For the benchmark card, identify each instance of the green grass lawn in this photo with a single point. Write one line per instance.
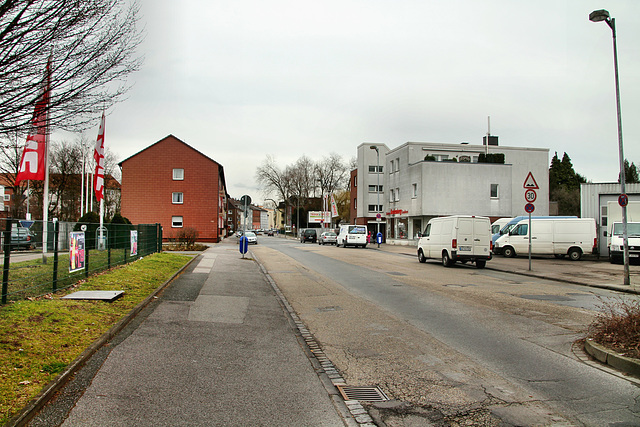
(40, 337)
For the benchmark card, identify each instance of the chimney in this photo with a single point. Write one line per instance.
(493, 140)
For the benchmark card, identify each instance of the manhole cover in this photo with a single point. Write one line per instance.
(368, 394)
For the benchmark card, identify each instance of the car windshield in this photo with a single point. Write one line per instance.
(250, 234)
(633, 229)
(329, 234)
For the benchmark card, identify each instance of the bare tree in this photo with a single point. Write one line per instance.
(273, 180)
(90, 45)
(332, 174)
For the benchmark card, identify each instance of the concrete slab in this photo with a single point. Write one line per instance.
(219, 309)
(95, 295)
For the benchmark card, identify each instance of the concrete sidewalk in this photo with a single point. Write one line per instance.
(215, 349)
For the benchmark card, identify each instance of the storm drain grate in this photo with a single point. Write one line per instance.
(368, 394)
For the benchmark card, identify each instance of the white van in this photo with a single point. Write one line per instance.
(498, 224)
(352, 235)
(559, 237)
(456, 238)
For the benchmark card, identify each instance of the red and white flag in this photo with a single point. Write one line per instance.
(334, 207)
(32, 162)
(98, 155)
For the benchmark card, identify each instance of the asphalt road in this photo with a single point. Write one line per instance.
(485, 346)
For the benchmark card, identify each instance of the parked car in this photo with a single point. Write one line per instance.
(328, 237)
(22, 238)
(270, 232)
(252, 239)
(308, 235)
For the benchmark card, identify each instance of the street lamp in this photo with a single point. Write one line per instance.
(373, 147)
(597, 16)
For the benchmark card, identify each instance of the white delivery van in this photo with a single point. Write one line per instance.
(497, 225)
(456, 238)
(352, 235)
(615, 241)
(559, 237)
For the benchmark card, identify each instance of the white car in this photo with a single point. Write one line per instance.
(252, 239)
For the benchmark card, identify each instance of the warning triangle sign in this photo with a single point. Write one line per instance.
(530, 182)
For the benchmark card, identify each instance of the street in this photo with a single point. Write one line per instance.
(453, 345)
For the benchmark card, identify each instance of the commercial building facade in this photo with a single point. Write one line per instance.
(417, 181)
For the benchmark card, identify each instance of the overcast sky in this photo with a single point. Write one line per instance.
(240, 80)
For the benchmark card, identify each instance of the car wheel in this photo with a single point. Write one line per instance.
(421, 256)
(509, 252)
(575, 254)
(446, 260)
(481, 263)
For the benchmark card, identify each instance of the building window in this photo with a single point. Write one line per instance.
(494, 191)
(178, 174)
(414, 192)
(372, 208)
(397, 164)
(176, 198)
(176, 221)
(391, 167)
(375, 189)
(7, 197)
(397, 194)
(355, 203)
(355, 181)
(392, 196)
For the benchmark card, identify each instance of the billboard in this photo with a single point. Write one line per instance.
(316, 217)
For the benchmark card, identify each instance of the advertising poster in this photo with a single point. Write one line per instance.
(76, 251)
(134, 242)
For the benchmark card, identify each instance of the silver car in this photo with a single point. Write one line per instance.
(252, 239)
(328, 237)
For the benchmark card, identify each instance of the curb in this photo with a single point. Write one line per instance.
(38, 402)
(352, 412)
(602, 354)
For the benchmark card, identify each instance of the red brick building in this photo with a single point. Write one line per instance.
(173, 184)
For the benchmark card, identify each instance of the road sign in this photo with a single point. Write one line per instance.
(245, 201)
(529, 208)
(244, 245)
(530, 195)
(530, 182)
(623, 200)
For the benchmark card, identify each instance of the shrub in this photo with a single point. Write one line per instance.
(187, 236)
(617, 327)
(491, 158)
(429, 158)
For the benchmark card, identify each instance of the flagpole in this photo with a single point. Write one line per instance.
(82, 185)
(45, 197)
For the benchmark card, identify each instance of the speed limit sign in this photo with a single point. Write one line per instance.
(530, 195)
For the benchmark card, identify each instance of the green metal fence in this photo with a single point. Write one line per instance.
(38, 259)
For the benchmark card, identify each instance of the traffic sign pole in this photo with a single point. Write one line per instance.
(530, 233)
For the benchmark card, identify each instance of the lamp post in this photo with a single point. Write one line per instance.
(373, 147)
(597, 16)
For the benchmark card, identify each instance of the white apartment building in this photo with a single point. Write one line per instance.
(417, 181)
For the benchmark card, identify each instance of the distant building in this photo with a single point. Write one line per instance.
(174, 184)
(593, 204)
(418, 181)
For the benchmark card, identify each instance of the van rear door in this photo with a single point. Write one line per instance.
(481, 237)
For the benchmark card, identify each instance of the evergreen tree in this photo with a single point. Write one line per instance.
(564, 185)
(631, 174)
